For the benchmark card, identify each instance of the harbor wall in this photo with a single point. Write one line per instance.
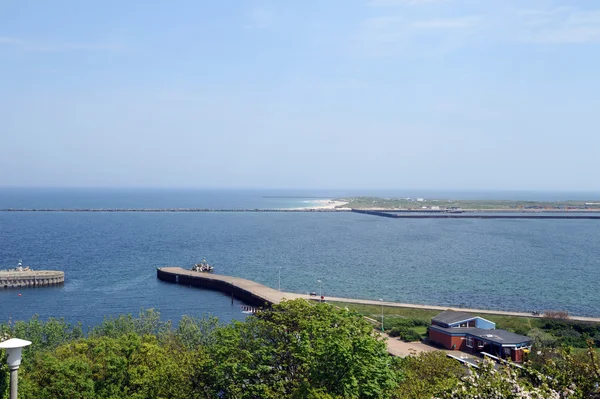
(442, 215)
(31, 279)
(204, 280)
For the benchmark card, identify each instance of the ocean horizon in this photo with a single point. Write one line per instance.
(43, 197)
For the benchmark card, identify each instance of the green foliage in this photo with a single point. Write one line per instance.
(50, 334)
(147, 322)
(131, 366)
(405, 333)
(427, 375)
(408, 322)
(572, 333)
(278, 352)
(294, 350)
(542, 339)
(196, 333)
(577, 373)
(503, 382)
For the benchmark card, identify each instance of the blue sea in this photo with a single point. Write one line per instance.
(110, 259)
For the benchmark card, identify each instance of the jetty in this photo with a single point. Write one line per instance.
(256, 294)
(428, 214)
(388, 213)
(30, 278)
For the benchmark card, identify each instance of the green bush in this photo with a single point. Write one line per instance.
(405, 334)
(405, 322)
(292, 350)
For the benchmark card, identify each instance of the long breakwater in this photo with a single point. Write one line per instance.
(388, 213)
(475, 215)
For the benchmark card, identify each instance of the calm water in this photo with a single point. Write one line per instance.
(110, 259)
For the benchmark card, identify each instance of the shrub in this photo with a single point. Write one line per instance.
(405, 322)
(405, 334)
(556, 314)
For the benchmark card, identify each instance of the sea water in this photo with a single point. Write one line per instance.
(110, 259)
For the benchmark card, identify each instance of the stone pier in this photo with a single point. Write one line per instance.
(30, 278)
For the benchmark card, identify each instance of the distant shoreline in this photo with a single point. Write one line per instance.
(442, 204)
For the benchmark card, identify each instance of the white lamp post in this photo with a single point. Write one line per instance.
(381, 300)
(320, 291)
(13, 348)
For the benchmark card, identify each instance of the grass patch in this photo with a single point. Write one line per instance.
(510, 323)
(422, 331)
(374, 311)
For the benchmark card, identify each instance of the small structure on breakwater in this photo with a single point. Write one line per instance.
(27, 277)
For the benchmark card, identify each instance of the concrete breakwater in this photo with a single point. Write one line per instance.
(31, 278)
(250, 292)
(256, 294)
(438, 215)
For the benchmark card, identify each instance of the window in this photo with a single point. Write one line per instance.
(469, 342)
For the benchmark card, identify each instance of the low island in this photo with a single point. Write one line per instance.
(439, 204)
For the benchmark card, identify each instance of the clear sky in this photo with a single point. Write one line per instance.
(438, 94)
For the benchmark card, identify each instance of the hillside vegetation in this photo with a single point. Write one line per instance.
(294, 350)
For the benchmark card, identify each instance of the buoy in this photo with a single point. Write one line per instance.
(19, 294)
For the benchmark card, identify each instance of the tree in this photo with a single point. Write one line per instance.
(130, 366)
(578, 374)
(296, 348)
(428, 374)
(500, 383)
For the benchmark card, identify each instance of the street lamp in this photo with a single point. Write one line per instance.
(13, 348)
(381, 300)
(320, 291)
(279, 284)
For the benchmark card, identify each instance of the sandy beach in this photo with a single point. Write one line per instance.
(327, 204)
(323, 204)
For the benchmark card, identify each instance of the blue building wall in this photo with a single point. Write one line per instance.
(481, 323)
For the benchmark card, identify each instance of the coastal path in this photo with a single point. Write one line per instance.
(257, 294)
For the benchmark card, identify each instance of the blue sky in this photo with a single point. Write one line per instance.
(436, 94)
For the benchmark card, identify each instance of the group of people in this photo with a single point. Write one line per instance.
(202, 267)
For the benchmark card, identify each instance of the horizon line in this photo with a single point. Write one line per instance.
(230, 188)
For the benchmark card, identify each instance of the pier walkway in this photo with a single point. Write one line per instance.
(257, 294)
